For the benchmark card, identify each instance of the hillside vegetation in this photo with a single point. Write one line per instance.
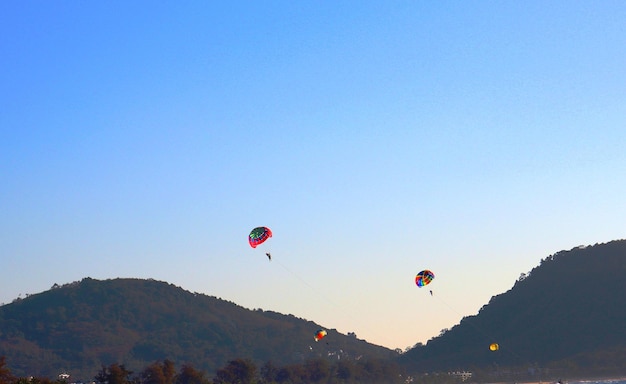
(570, 311)
(567, 315)
(81, 326)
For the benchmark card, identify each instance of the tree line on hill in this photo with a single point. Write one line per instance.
(314, 371)
(568, 314)
(236, 371)
(84, 324)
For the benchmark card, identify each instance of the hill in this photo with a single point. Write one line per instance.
(570, 311)
(81, 326)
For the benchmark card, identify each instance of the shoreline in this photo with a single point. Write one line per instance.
(576, 380)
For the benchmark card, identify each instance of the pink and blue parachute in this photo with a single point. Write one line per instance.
(258, 236)
(424, 278)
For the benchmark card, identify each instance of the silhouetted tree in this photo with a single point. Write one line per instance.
(189, 375)
(159, 373)
(34, 380)
(346, 372)
(169, 371)
(114, 374)
(5, 373)
(293, 374)
(380, 371)
(317, 370)
(238, 371)
(269, 373)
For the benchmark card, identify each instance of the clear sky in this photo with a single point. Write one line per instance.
(375, 138)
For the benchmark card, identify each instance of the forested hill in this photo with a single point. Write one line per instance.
(81, 326)
(568, 311)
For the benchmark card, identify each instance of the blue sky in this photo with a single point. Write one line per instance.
(376, 139)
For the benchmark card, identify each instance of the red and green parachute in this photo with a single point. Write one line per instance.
(258, 236)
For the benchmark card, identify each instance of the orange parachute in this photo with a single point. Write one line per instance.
(319, 335)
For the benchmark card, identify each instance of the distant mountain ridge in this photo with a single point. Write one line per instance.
(81, 326)
(571, 309)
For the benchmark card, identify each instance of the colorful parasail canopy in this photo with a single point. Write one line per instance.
(319, 335)
(424, 278)
(494, 347)
(258, 236)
